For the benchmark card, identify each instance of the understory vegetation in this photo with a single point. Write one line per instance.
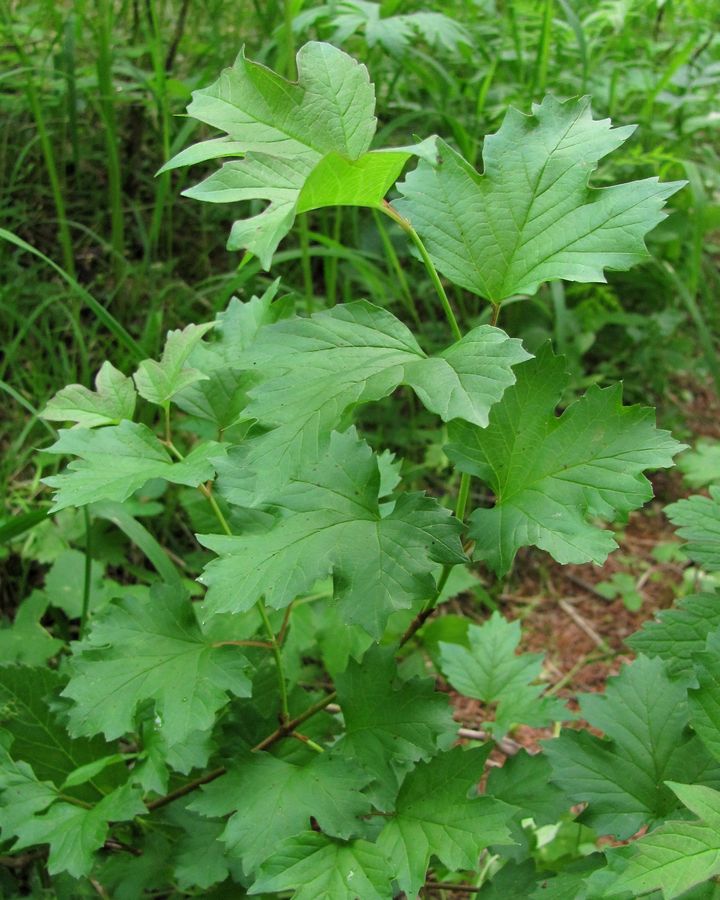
(361, 450)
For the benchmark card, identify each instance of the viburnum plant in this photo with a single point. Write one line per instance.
(264, 736)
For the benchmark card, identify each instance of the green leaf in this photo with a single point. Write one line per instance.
(492, 672)
(315, 371)
(158, 382)
(221, 396)
(64, 584)
(704, 699)
(552, 476)
(318, 868)
(75, 833)
(200, 858)
(269, 800)
(701, 465)
(116, 461)
(26, 641)
(21, 793)
(524, 781)
(435, 817)
(389, 724)
(531, 217)
(644, 715)
(698, 521)
(677, 635)
(284, 129)
(112, 401)
(39, 738)
(672, 859)
(139, 651)
(333, 524)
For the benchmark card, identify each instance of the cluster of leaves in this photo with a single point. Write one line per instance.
(189, 738)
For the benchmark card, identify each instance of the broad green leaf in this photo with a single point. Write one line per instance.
(644, 715)
(269, 800)
(339, 181)
(571, 882)
(75, 833)
(491, 671)
(524, 781)
(697, 520)
(705, 698)
(39, 737)
(114, 462)
(677, 635)
(552, 476)
(530, 217)
(128, 877)
(389, 724)
(333, 524)
(316, 867)
(200, 859)
(158, 382)
(284, 129)
(701, 465)
(112, 401)
(434, 816)
(139, 651)
(672, 859)
(26, 640)
(221, 396)
(22, 794)
(315, 371)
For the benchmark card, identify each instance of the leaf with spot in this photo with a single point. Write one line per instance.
(531, 217)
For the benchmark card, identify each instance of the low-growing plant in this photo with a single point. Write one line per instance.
(270, 735)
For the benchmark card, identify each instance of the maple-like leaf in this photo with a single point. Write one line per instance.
(677, 635)
(305, 144)
(332, 523)
(269, 799)
(112, 401)
(551, 475)
(524, 781)
(154, 650)
(389, 724)
(75, 833)
(644, 716)
(158, 382)
(698, 521)
(317, 867)
(26, 640)
(434, 816)
(530, 217)
(113, 462)
(314, 371)
(491, 671)
(671, 859)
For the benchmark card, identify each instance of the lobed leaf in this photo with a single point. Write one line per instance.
(113, 462)
(156, 651)
(530, 217)
(552, 476)
(112, 401)
(332, 523)
(697, 520)
(491, 671)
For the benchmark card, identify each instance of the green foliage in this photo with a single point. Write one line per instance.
(247, 708)
(552, 476)
(534, 182)
(698, 521)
